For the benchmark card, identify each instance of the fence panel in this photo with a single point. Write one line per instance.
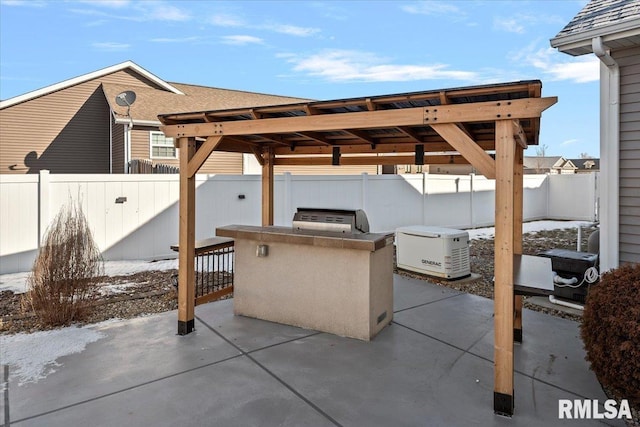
(572, 197)
(136, 216)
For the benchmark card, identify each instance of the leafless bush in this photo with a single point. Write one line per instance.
(63, 282)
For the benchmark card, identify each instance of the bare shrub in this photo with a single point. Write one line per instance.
(63, 282)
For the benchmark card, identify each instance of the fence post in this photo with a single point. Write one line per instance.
(365, 190)
(472, 222)
(287, 197)
(43, 204)
(424, 198)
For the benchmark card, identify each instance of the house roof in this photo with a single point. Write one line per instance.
(617, 22)
(587, 164)
(543, 162)
(150, 102)
(91, 76)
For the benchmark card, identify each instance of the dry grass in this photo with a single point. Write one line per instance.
(63, 282)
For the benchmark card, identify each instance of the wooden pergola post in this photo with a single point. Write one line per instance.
(504, 251)
(267, 186)
(518, 196)
(186, 241)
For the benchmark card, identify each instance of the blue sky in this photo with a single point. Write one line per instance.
(312, 49)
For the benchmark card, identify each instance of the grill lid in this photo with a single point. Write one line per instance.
(339, 220)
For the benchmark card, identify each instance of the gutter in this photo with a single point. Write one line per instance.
(128, 121)
(610, 155)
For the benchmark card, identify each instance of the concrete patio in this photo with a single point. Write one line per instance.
(431, 367)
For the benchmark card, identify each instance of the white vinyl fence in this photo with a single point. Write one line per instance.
(136, 216)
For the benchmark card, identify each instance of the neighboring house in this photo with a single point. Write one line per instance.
(611, 30)
(76, 126)
(587, 165)
(554, 165)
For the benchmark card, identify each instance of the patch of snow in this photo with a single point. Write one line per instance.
(529, 227)
(124, 268)
(17, 282)
(114, 289)
(32, 357)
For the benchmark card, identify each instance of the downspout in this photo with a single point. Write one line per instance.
(610, 155)
(127, 143)
(111, 122)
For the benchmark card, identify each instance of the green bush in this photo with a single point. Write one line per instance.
(63, 285)
(611, 331)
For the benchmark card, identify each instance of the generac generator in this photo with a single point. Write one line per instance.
(436, 251)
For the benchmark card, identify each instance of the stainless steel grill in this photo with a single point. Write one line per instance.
(337, 220)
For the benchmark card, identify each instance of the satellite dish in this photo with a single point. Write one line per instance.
(126, 98)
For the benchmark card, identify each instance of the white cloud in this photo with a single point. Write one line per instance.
(510, 25)
(520, 22)
(27, 3)
(227, 20)
(111, 46)
(432, 8)
(175, 40)
(558, 66)
(241, 40)
(163, 12)
(292, 30)
(134, 11)
(349, 65)
(569, 142)
(107, 3)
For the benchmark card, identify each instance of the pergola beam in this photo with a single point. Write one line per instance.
(379, 148)
(418, 116)
(370, 160)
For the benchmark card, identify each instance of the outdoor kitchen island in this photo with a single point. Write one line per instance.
(329, 281)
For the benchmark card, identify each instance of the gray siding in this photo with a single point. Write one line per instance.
(117, 147)
(629, 61)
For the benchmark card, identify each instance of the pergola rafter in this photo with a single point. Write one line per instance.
(486, 126)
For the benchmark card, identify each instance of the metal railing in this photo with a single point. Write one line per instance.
(214, 269)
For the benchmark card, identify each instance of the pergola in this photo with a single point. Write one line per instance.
(487, 126)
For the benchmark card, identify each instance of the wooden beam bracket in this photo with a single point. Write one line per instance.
(202, 154)
(466, 146)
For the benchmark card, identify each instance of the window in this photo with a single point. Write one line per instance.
(162, 147)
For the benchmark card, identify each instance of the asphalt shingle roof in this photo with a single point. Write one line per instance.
(601, 13)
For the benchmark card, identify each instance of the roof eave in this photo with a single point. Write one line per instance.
(577, 44)
(86, 77)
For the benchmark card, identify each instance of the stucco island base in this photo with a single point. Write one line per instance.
(329, 282)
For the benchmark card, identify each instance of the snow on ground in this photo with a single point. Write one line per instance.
(17, 282)
(32, 357)
(529, 227)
